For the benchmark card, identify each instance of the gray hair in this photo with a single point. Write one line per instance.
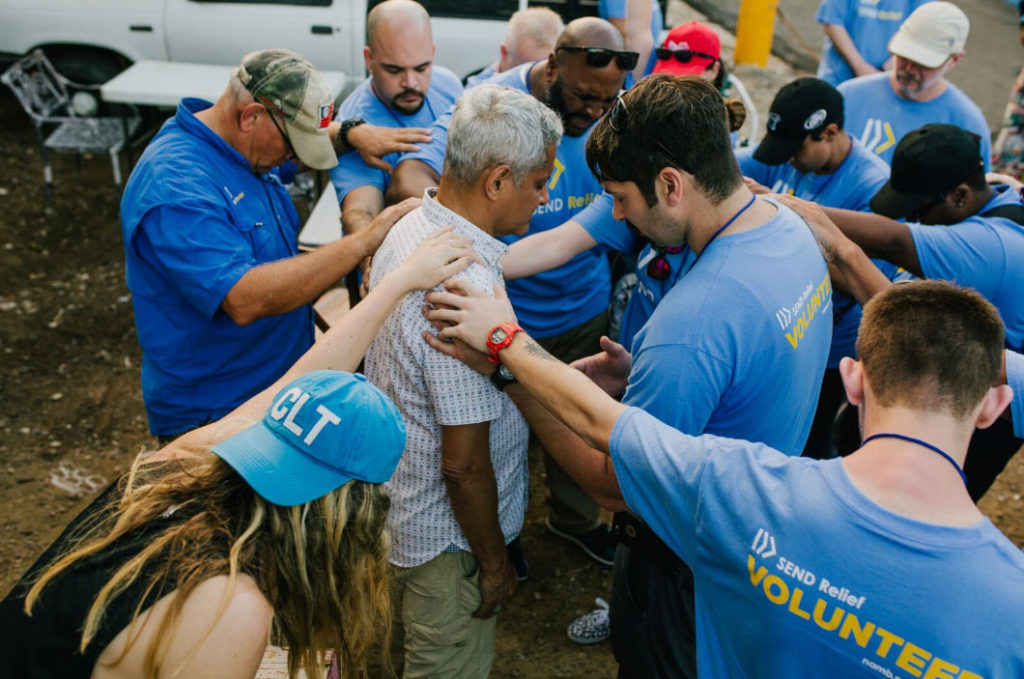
(538, 25)
(495, 125)
(238, 92)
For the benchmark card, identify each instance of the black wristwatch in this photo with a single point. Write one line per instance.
(347, 125)
(502, 377)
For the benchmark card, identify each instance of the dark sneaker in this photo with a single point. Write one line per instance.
(592, 627)
(599, 544)
(518, 559)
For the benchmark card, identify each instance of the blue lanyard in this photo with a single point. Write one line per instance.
(723, 227)
(919, 442)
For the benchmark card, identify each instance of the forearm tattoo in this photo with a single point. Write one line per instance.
(534, 349)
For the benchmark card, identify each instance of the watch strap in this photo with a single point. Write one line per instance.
(493, 347)
(502, 377)
(347, 125)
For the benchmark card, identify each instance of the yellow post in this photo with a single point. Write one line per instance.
(754, 28)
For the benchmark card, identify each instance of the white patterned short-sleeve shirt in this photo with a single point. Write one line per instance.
(433, 390)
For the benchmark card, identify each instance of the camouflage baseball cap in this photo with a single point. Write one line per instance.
(291, 87)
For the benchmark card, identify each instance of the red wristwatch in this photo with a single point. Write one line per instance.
(498, 338)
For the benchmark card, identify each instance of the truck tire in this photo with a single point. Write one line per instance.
(86, 65)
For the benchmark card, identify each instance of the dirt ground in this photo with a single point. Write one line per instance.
(71, 415)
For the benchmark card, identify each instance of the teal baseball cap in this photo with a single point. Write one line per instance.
(321, 431)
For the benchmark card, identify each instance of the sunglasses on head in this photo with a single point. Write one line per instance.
(618, 119)
(659, 268)
(599, 57)
(682, 56)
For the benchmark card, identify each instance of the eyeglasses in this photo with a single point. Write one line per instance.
(659, 268)
(599, 57)
(682, 56)
(618, 119)
(280, 130)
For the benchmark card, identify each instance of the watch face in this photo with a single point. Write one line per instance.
(505, 372)
(498, 335)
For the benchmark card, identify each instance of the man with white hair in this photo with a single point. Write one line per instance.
(530, 36)
(460, 492)
(882, 107)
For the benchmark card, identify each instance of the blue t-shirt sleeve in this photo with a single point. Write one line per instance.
(612, 9)
(679, 384)
(968, 253)
(351, 172)
(597, 219)
(659, 471)
(832, 12)
(201, 255)
(1015, 378)
(433, 153)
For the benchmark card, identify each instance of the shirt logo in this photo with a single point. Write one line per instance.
(773, 121)
(815, 119)
(326, 115)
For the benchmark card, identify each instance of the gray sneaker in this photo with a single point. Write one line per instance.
(593, 627)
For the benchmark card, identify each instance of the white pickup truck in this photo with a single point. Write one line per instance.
(92, 40)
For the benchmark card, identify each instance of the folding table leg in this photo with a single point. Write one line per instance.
(115, 162)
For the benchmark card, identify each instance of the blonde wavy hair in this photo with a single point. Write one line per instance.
(323, 565)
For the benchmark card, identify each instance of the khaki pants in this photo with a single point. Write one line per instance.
(570, 509)
(442, 639)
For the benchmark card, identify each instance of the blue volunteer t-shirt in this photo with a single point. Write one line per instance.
(870, 23)
(851, 187)
(481, 77)
(738, 346)
(879, 118)
(984, 253)
(555, 301)
(194, 220)
(352, 171)
(798, 574)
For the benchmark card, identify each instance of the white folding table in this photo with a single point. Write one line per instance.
(165, 83)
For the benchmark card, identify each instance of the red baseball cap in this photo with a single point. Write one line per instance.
(689, 49)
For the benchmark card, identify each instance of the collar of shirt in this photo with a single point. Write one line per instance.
(488, 247)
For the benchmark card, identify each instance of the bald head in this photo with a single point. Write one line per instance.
(397, 17)
(591, 32)
(531, 35)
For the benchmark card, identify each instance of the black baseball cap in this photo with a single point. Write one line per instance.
(927, 162)
(802, 107)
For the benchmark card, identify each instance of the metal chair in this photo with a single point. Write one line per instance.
(47, 98)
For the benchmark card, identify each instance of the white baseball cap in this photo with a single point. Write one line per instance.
(932, 32)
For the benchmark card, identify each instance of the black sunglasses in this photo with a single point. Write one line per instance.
(618, 118)
(599, 57)
(659, 268)
(682, 56)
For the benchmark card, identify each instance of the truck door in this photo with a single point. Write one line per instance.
(327, 32)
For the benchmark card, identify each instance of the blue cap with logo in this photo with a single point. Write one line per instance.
(321, 431)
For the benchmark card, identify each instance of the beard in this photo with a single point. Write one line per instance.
(574, 124)
(408, 109)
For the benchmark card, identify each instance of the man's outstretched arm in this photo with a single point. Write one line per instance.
(563, 392)
(878, 236)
